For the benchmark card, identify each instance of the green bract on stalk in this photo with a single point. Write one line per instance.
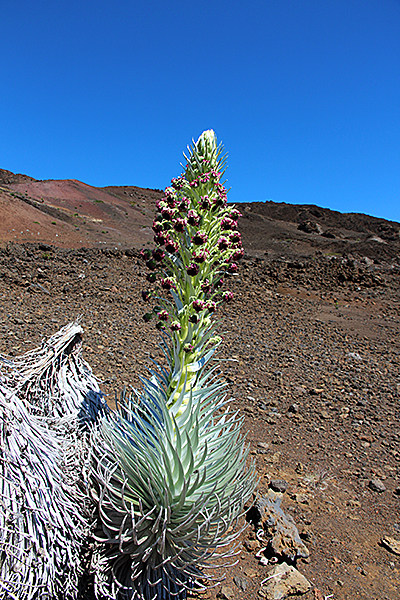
(169, 465)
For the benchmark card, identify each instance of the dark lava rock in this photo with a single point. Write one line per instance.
(278, 485)
(376, 485)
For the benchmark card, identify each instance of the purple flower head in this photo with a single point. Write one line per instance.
(158, 254)
(160, 239)
(171, 246)
(218, 201)
(198, 305)
(223, 243)
(188, 347)
(169, 193)
(160, 204)
(205, 203)
(237, 254)
(211, 306)
(168, 213)
(227, 296)
(167, 283)
(179, 225)
(227, 224)
(193, 269)
(205, 178)
(166, 225)
(194, 183)
(157, 226)
(193, 217)
(184, 204)
(200, 256)
(235, 214)
(206, 286)
(235, 237)
(163, 315)
(233, 268)
(178, 183)
(175, 326)
(200, 238)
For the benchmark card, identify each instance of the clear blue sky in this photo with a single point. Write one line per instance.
(304, 94)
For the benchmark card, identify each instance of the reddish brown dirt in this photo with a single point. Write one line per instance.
(311, 355)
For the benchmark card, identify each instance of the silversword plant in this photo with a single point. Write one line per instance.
(169, 466)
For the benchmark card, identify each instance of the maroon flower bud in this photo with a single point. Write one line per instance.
(171, 246)
(235, 214)
(218, 283)
(179, 225)
(193, 217)
(163, 315)
(147, 317)
(200, 256)
(178, 182)
(160, 239)
(157, 226)
(175, 326)
(223, 243)
(206, 286)
(168, 213)
(237, 254)
(161, 204)
(188, 347)
(211, 306)
(146, 295)
(227, 224)
(218, 201)
(235, 237)
(184, 204)
(227, 296)
(167, 283)
(152, 277)
(158, 254)
(205, 203)
(193, 269)
(194, 319)
(198, 305)
(170, 194)
(160, 326)
(233, 268)
(200, 238)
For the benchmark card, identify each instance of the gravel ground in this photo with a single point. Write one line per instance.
(311, 358)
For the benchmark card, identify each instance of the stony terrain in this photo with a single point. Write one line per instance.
(311, 356)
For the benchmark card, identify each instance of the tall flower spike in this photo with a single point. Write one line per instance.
(169, 467)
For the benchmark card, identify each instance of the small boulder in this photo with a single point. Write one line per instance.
(283, 581)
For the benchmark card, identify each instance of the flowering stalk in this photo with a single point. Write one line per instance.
(197, 243)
